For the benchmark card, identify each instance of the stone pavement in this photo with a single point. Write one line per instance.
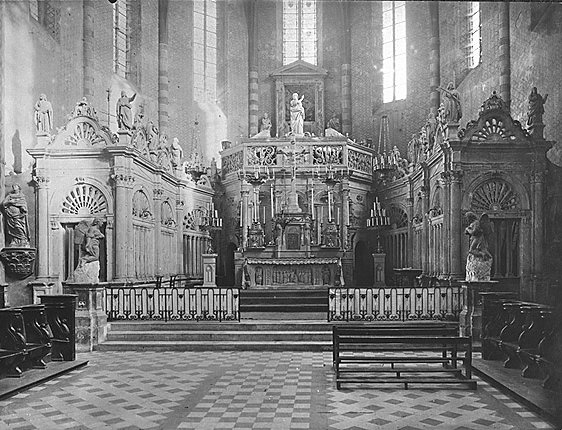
(246, 390)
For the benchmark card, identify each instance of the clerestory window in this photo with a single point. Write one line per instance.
(205, 50)
(300, 41)
(474, 41)
(394, 50)
(120, 38)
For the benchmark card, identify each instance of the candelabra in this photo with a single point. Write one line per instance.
(330, 236)
(377, 221)
(210, 222)
(385, 162)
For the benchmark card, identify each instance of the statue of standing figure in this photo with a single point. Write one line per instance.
(536, 108)
(177, 152)
(297, 115)
(88, 236)
(452, 104)
(479, 259)
(16, 228)
(124, 111)
(43, 115)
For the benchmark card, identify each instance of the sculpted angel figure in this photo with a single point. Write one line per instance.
(124, 111)
(479, 259)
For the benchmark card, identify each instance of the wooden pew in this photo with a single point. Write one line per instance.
(364, 354)
(12, 343)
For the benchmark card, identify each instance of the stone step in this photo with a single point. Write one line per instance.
(215, 346)
(284, 293)
(276, 307)
(258, 323)
(219, 336)
(284, 300)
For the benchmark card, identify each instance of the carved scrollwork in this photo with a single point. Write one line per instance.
(328, 154)
(360, 161)
(262, 156)
(495, 195)
(232, 162)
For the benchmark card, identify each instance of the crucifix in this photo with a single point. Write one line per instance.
(294, 154)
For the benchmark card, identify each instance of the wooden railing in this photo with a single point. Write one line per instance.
(395, 304)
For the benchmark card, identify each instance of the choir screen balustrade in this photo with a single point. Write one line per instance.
(395, 304)
(171, 301)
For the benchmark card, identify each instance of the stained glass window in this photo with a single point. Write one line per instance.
(120, 37)
(299, 31)
(205, 50)
(473, 49)
(394, 51)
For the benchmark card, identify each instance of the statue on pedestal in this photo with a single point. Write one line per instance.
(265, 127)
(297, 115)
(535, 112)
(479, 259)
(43, 115)
(88, 236)
(14, 208)
(177, 152)
(452, 104)
(124, 111)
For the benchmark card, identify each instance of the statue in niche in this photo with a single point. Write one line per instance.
(16, 228)
(177, 152)
(43, 115)
(479, 259)
(124, 111)
(333, 127)
(258, 276)
(536, 108)
(452, 104)
(265, 127)
(88, 235)
(326, 274)
(297, 115)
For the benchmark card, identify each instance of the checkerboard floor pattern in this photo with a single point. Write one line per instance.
(246, 390)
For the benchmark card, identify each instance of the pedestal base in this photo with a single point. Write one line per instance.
(470, 319)
(209, 270)
(378, 269)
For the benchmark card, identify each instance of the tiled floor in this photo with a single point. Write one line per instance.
(236, 390)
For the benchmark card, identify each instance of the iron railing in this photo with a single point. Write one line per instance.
(395, 304)
(172, 300)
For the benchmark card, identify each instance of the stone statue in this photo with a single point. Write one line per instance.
(164, 152)
(297, 115)
(452, 104)
(334, 123)
(139, 118)
(16, 228)
(479, 259)
(536, 108)
(265, 127)
(88, 236)
(326, 275)
(43, 115)
(431, 128)
(83, 108)
(177, 152)
(259, 275)
(413, 148)
(124, 111)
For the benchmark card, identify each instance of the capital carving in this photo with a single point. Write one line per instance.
(537, 177)
(180, 204)
(122, 179)
(455, 176)
(158, 193)
(41, 181)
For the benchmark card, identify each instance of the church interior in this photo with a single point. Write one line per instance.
(240, 213)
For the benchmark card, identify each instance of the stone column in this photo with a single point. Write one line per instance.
(455, 236)
(88, 48)
(123, 213)
(157, 196)
(346, 71)
(410, 244)
(180, 249)
(91, 319)
(245, 197)
(505, 54)
(163, 81)
(434, 57)
(537, 181)
(446, 222)
(253, 81)
(42, 182)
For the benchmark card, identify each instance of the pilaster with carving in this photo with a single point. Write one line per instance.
(537, 179)
(123, 183)
(455, 226)
(41, 182)
(157, 194)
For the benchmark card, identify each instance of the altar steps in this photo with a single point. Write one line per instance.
(218, 336)
(286, 301)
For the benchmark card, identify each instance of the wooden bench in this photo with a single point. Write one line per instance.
(365, 354)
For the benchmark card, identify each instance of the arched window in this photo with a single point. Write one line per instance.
(205, 50)
(474, 42)
(120, 38)
(394, 50)
(299, 31)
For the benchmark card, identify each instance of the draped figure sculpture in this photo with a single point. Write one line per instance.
(297, 115)
(536, 108)
(479, 259)
(88, 235)
(124, 111)
(43, 115)
(451, 103)
(16, 228)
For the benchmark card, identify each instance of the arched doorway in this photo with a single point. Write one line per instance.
(363, 265)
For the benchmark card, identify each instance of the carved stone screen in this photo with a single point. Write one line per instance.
(293, 238)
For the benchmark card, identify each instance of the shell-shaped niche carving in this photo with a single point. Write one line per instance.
(167, 215)
(398, 218)
(84, 135)
(141, 206)
(84, 199)
(495, 195)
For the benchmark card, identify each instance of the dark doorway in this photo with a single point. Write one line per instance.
(229, 269)
(363, 265)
